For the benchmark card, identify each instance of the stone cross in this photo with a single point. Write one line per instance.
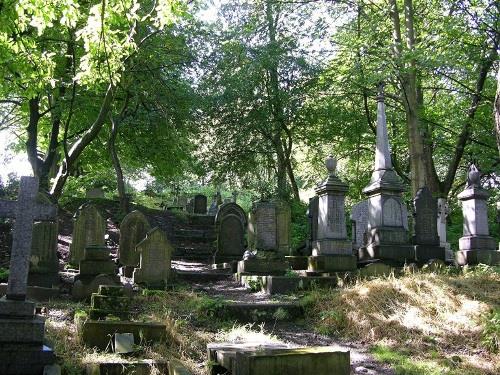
(25, 210)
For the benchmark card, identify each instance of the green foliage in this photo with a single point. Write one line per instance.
(491, 332)
(4, 274)
(404, 362)
(281, 314)
(208, 308)
(300, 223)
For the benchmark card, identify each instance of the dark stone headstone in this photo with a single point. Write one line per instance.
(231, 225)
(200, 204)
(133, 229)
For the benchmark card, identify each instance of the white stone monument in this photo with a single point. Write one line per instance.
(387, 233)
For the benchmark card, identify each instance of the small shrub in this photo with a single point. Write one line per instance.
(4, 274)
(281, 314)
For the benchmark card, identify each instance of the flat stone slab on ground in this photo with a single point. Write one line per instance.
(245, 359)
(288, 284)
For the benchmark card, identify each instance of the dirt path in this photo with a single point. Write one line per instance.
(292, 333)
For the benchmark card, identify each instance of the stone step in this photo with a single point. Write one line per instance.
(192, 251)
(203, 276)
(261, 312)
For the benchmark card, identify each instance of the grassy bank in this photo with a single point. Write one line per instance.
(421, 323)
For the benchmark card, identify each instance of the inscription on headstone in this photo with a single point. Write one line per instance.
(359, 219)
(392, 215)
(265, 223)
(89, 229)
(200, 204)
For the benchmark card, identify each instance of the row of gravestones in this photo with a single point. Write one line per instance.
(198, 204)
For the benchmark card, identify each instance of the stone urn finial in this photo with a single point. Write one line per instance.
(331, 165)
(473, 176)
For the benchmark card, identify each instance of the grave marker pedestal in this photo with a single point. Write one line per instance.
(331, 251)
(476, 245)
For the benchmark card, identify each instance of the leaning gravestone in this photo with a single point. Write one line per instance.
(21, 330)
(426, 237)
(200, 204)
(155, 256)
(89, 229)
(230, 224)
(359, 220)
(133, 229)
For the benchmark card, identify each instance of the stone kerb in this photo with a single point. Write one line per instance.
(133, 229)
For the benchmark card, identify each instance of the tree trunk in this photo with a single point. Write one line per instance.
(120, 183)
(76, 150)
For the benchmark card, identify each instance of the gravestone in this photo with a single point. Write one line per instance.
(95, 193)
(331, 251)
(359, 221)
(200, 204)
(44, 264)
(312, 216)
(443, 212)
(387, 233)
(426, 237)
(133, 229)
(212, 211)
(21, 330)
(89, 229)
(268, 236)
(476, 245)
(155, 256)
(190, 206)
(230, 225)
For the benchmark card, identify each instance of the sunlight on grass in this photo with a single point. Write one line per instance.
(246, 334)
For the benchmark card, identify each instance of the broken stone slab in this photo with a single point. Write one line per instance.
(97, 333)
(245, 359)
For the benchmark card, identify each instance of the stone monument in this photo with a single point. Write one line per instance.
(443, 212)
(133, 229)
(89, 229)
(387, 234)
(44, 264)
(200, 204)
(359, 223)
(426, 237)
(212, 210)
(332, 251)
(476, 245)
(230, 225)
(21, 330)
(268, 236)
(155, 260)
(312, 216)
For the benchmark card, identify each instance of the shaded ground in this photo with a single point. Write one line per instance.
(293, 333)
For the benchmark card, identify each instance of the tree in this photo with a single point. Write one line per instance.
(62, 65)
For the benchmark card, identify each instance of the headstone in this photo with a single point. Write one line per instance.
(331, 242)
(387, 233)
(133, 229)
(359, 221)
(21, 331)
(95, 193)
(155, 256)
(230, 224)
(212, 211)
(190, 206)
(89, 229)
(182, 202)
(44, 264)
(268, 236)
(476, 245)
(426, 237)
(200, 204)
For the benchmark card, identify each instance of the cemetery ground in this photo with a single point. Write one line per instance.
(427, 321)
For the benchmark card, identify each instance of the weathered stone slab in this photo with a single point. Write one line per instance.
(133, 229)
(489, 257)
(89, 229)
(359, 220)
(287, 284)
(155, 258)
(331, 263)
(28, 360)
(262, 267)
(255, 359)
(297, 262)
(263, 227)
(94, 193)
(44, 263)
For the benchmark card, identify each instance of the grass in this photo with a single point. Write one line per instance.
(443, 322)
